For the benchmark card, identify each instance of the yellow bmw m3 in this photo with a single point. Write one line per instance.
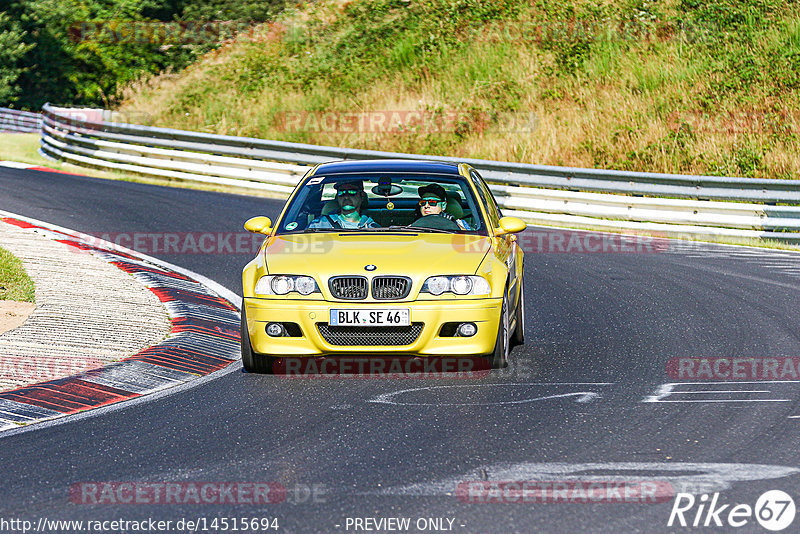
(384, 258)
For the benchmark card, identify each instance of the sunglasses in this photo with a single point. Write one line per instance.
(430, 202)
(351, 192)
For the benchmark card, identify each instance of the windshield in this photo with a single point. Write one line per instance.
(381, 202)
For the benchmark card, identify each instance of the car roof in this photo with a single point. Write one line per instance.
(387, 165)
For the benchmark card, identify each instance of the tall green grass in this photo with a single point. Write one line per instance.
(15, 284)
(687, 86)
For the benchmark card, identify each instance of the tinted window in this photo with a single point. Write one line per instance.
(388, 199)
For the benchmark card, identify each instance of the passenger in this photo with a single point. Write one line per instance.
(433, 201)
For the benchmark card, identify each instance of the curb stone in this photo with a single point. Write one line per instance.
(88, 313)
(204, 338)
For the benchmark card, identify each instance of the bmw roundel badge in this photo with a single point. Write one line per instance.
(369, 267)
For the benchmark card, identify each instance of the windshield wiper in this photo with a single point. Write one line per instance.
(418, 229)
(324, 231)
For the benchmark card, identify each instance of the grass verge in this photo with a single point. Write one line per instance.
(15, 284)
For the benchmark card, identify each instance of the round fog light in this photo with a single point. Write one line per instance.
(467, 329)
(274, 329)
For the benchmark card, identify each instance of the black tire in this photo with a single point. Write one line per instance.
(519, 330)
(499, 358)
(252, 363)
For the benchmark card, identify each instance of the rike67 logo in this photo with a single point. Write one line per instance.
(774, 510)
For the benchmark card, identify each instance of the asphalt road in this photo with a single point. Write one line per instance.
(584, 400)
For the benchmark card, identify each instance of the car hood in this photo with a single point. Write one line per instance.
(414, 255)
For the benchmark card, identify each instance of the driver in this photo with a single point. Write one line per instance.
(351, 198)
(433, 201)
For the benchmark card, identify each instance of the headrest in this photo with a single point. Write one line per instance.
(454, 205)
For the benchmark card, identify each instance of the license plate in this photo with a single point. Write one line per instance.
(366, 317)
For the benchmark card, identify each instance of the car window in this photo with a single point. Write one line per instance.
(488, 200)
(383, 200)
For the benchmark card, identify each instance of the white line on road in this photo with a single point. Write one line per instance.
(582, 396)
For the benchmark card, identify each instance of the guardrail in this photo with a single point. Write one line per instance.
(12, 120)
(665, 203)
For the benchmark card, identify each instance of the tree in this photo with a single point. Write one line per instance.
(12, 50)
(50, 51)
(70, 67)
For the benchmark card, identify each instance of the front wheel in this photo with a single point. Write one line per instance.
(499, 358)
(252, 363)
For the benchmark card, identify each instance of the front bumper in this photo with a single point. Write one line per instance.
(485, 313)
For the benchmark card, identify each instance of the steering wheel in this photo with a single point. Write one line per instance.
(436, 222)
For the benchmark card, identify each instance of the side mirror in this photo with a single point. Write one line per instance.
(259, 225)
(510, 225)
